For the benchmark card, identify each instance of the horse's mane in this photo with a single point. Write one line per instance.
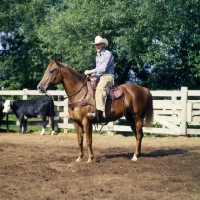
(73, 72)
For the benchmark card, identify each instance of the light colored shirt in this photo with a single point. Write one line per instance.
(104, 63)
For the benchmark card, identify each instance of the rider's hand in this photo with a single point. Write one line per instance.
(87, 72)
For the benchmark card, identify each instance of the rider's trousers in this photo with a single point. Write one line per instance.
(103, 87)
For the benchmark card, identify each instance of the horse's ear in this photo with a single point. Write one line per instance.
(56, 60)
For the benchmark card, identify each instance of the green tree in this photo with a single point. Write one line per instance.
(71, 27)
(21, 59)
(159, 34)
(175, 49)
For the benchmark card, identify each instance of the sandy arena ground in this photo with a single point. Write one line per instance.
(44, 167)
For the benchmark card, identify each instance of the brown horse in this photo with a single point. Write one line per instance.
(136, 105)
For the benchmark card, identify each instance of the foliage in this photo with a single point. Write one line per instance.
(174, 51)
(155, 43)
(22, 61)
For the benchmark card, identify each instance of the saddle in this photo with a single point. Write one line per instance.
(115, 91)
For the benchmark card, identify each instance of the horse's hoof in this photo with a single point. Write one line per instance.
(134, 158)
(78, 159)
(89, 160)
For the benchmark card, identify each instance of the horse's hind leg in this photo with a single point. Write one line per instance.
(139, 136)
(136, 126)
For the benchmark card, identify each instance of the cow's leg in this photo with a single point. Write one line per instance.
(24, 126)
(44, 123)
(20, 129)
(52, 125)
(7, 122)
(20, 124)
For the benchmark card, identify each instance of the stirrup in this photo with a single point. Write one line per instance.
(91, 115)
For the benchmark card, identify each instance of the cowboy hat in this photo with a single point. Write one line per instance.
(100, 40)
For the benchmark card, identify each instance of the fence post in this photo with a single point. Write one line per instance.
(25, 96)
(110, 128)
(183, 125)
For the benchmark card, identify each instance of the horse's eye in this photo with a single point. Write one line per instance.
(51, 71)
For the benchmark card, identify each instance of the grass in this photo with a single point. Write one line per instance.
(15, 128)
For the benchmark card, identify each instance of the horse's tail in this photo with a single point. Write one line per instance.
(149, 111)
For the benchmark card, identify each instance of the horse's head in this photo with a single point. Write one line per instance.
(52, 76)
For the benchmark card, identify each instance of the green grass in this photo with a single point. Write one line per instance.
(15, 128)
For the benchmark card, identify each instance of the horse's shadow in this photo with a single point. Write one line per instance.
(169, 152)
(153, 154)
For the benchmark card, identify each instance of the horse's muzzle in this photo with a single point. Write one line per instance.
(41, 89)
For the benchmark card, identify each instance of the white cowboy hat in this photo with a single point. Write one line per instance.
(100, 40)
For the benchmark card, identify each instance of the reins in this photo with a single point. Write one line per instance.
(75, 92)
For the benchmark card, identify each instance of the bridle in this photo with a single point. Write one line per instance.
(59, 70)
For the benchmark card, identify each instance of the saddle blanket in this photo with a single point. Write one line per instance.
(116, 91)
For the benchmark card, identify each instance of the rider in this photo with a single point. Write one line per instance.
(105, 70)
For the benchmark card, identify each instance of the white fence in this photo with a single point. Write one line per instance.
(175, 112)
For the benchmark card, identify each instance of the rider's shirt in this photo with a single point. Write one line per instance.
(104, 63)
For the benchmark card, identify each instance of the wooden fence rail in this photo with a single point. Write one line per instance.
(175, 112)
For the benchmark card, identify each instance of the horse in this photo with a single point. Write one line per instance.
(136, 105)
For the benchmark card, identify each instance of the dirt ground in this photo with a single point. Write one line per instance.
(44, 167)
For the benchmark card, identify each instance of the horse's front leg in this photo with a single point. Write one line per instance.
(139, 136)
(88, 132)
(79, 132)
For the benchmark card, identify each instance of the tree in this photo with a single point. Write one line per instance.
(155, 43)
(174, 49)
(71, 28)
(21, 58)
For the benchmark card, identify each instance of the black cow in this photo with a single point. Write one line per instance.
(37, 108)
(2, 115)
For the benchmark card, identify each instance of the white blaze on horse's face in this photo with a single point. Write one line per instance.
(7, 106)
